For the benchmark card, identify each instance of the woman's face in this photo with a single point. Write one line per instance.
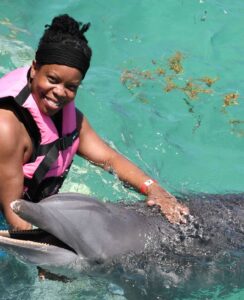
(53, 86)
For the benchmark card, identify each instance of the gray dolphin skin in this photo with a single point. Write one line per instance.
(80, 232)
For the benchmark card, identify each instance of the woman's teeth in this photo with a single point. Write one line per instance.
(53, 103)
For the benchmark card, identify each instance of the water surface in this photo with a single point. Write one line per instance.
(165, 88)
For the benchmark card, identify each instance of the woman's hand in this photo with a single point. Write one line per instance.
(174, 211)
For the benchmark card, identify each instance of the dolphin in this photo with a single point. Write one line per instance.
(78, 231)
(75, 229)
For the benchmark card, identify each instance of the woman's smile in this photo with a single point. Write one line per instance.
(53, 103)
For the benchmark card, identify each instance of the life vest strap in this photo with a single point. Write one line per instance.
(27, 119)
(23, 95)
(62, 143)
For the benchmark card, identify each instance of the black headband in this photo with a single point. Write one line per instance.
(62, 55)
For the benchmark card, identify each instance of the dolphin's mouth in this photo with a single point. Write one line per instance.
(33, 237)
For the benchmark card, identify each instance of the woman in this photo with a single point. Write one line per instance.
(41, 130)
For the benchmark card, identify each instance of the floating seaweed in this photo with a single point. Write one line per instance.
(130, 79)
(160, 71)
(208, 80)
(170, 84)
(134, 78)
(231, 99)
(175, 62)
(192, 90)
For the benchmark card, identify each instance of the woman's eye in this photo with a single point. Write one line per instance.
(72, 88)
(52, 79)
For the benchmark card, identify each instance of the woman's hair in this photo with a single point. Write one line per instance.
(64, 42)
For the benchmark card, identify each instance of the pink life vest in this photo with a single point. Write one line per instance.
(52, 158)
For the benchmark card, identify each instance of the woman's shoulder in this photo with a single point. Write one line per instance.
(12, 129)
(8, 118)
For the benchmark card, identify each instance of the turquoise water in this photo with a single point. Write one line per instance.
(147, 94)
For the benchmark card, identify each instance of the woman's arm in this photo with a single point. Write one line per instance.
(93, 148)
(12, 151)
